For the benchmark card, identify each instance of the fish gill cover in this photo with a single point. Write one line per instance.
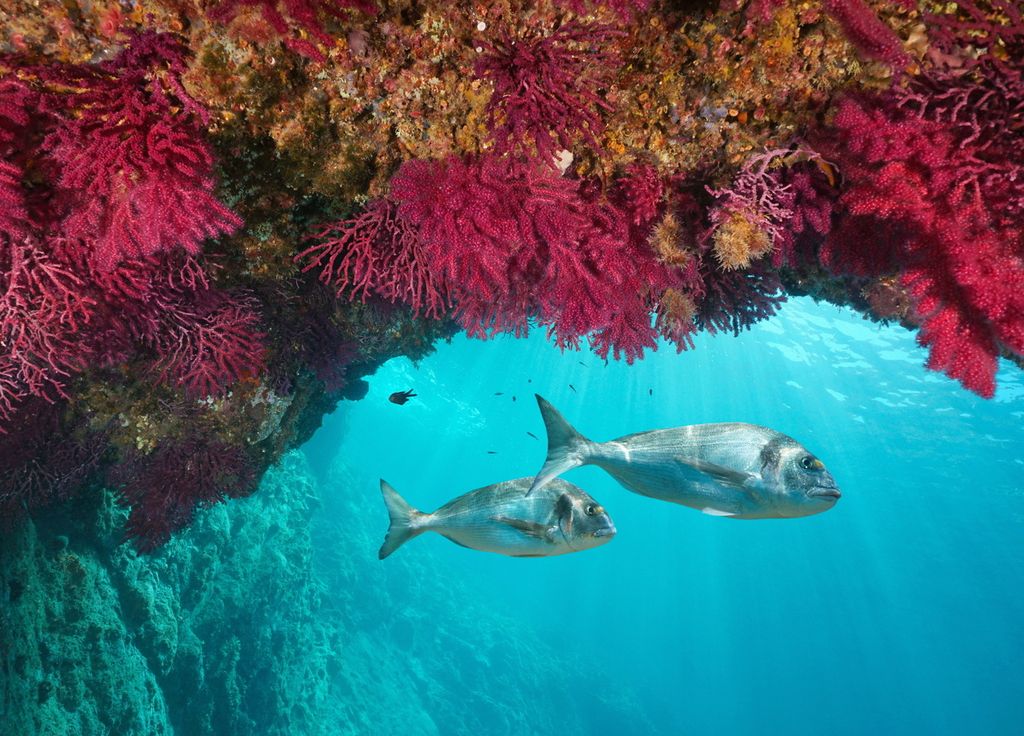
(217, 216)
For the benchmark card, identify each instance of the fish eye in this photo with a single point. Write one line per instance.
(590, 510)
(808, 462)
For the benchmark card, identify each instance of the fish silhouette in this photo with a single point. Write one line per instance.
(557, 519)
(400, 397)
(732, 469)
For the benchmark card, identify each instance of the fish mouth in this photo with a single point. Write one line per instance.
(830, 492)
(609, 532)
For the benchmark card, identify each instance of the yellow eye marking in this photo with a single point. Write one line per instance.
(817, 464)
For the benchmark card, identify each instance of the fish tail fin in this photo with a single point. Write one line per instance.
(567, 448)
(406, 522)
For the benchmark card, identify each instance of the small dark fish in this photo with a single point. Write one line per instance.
(491, 452)
(400, 397)
(499, 393)
(650, 392)
(572, 387)
(513, 398)
(529, 380)
(582, 363)
(533, 435)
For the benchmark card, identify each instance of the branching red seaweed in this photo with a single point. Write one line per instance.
(547, 88)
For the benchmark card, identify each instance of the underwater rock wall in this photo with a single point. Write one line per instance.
(269, 615)
(203, 637)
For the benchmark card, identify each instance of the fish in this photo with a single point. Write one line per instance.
(492, 452)
(499, 393)
(555, 520)
(570, 386)
(400, 397)
(532, 435)
(734, 470)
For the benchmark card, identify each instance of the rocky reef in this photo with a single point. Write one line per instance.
(217, 216)
(267, 617)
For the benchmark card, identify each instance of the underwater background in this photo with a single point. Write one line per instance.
(898, 611)
(230, 230)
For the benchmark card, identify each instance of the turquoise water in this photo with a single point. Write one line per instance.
(898, 611)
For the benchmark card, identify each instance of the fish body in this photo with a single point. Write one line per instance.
(741, 471)
(557, 519)
(400, 397)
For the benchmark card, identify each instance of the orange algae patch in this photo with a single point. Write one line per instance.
(677, 306)
(666, 242)
(739, 241)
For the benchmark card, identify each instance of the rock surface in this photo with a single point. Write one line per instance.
(244, 625)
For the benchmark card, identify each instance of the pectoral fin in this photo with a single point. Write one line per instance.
(715, 512)
(529, 528)
(725, 476)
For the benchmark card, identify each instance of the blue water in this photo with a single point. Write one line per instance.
(899, 611)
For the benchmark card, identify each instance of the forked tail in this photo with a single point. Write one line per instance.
(567, 448)
(406, 522)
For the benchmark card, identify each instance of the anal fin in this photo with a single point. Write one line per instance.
(456, 541)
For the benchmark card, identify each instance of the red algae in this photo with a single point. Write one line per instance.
(224, 213)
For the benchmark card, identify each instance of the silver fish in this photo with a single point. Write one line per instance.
(737, 470)
(557, 519)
